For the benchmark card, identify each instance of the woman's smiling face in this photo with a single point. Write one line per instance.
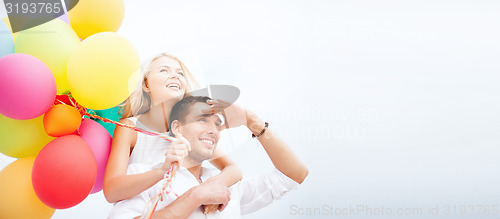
(166, 80)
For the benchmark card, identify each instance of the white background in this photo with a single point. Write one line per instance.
(390, 104)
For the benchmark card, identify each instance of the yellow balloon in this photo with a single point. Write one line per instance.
(53, 43)
(18, 199)
(94, 16)
(6, 20)
(22, 138)
(103, 71)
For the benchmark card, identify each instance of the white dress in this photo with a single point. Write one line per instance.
(148, 149)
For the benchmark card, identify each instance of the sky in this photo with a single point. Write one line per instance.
(392, 105)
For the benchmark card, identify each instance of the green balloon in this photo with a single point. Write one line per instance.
(113, 113)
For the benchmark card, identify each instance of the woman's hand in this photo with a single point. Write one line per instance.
(211, 208)
(176, 152)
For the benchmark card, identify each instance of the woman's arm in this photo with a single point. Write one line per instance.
(117, 184)
(230, 172)
(207, 193)
(229, 175)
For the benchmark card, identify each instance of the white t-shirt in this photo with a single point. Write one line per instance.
(248, 195)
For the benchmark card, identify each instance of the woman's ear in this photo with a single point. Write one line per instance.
(176, 127)
(145, 86)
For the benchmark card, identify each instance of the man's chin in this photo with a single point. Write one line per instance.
(210, 157)
(206, 156)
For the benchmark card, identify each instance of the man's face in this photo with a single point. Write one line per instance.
(201, 130)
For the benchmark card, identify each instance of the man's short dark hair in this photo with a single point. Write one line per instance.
(181, 108)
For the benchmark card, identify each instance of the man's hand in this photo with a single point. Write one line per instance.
(234, 114)
(213, 192)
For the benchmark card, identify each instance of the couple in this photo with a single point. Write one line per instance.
(196, 128)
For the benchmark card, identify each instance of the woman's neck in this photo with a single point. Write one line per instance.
(158, 115)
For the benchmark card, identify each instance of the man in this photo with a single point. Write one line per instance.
(197, 129)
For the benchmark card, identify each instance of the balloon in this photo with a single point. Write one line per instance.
(103, 71)
(7, 22)
(18, 199)
(114, 114)
(61, 120)
(65, 18)
(22, 138)
(99, 141)
(53, 43)
(63, 99)
(6, 40)
(27, 87)
(64, 172)
(94, 16)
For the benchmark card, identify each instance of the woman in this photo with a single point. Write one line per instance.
(165, 81)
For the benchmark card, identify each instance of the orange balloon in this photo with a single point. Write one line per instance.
(18, 198)
(61, 120)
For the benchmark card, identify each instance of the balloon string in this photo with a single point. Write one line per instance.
(83, 111)
(169, 175)
(134, 128)
(60, 102)
(166, 189)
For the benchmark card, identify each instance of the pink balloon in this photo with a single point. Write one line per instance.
(99, 141)
(27, 87)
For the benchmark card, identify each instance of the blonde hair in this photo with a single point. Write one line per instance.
(138, 102)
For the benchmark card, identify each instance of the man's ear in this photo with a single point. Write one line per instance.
(176, 127)
(145, 86)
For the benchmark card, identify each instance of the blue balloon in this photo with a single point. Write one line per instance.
(6, 40)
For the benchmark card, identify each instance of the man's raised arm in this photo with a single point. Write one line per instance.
(280, 154)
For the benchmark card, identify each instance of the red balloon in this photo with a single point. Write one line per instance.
(65, 99)
(62, 99)
(64, 172)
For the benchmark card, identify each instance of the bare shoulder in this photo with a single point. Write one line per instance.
(125, 135)
(127, 121)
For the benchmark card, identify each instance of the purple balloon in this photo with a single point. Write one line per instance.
(27, 87)
(65, 18)
(99, 140)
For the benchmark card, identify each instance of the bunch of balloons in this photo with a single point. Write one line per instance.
(44, 70)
